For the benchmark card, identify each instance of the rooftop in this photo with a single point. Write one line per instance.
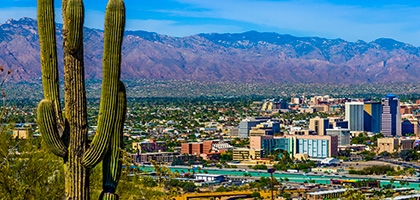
(327, 192)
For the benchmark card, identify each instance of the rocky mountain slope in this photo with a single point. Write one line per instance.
(241, 57)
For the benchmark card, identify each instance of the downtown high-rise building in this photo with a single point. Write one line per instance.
(391, 116)
(372, 116)
(319, 125)
(354, 115)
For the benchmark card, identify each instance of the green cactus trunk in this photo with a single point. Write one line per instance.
(77, 176)
(68, 137)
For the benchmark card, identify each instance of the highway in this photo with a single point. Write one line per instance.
(293, 177)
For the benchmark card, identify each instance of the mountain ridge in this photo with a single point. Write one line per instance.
(238, 57)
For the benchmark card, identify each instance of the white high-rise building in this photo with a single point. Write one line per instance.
(354, 115)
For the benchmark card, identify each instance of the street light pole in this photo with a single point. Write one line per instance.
(271, 171)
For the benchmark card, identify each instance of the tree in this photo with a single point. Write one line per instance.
(360, 139)
(27, 170)
(226, 156)
(189, 187)
(391, 181)
(408, 155)
(260, 167)
(67, 136)
(148, 181)
(353, 194)
(256, 195)
(384, 154)
(222, 189)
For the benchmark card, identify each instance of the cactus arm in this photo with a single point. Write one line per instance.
(113, 36)
(48, 128)
(112, 164)
(48, 55)
(75, 12)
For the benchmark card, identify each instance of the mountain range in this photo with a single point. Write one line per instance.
(237, 57)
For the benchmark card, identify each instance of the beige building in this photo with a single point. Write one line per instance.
(303, 132)
(321, 108)
(255, 142)
(394, 144)
(233, 132)
(247, 154)
(319, 125)
(255, 131)
(22, 133)
(301, 156)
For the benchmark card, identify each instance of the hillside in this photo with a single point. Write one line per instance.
(240, 57)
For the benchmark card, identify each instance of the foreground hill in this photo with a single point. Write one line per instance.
(241, 57)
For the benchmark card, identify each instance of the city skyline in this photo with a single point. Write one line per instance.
(352, 21)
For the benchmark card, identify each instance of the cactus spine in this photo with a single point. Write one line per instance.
(68, 137)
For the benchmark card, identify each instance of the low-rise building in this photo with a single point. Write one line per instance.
(233, 132)
(210, 177)
(149, 146)
(343, 135)
(247, 154)
(270, 143)
(165, 157)
(315, 146)
(195, 148)
(394, 144)
(302, 132)
(22, 132)
(255, 131)
(410, 126)
(320, 195)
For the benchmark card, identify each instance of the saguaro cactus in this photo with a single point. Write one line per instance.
(67, 136)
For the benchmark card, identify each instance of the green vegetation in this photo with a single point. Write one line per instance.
(383, 170)
(256, 195)
(362, 138)
(377, 170)
(353, 194)
(27, 170)
(260, 167)
(409, 155)
(285, 162)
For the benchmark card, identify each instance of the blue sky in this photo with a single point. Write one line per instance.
(347, 19)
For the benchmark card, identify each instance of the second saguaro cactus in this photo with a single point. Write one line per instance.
(67, 136)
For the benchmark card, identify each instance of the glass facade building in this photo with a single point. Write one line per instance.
(391, 116)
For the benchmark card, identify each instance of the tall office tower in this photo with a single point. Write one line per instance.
(319, 125)
(372, 116)
(354, 115)
(391, 116)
